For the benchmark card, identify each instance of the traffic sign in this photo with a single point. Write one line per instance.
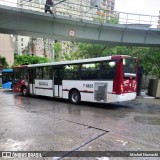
(71, 32)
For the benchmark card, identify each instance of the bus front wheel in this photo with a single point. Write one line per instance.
(24, 91)
(74, 97)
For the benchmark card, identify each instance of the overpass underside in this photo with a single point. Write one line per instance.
(38, 24)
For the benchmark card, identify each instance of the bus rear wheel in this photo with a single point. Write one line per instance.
(24, 91)
(74, 97)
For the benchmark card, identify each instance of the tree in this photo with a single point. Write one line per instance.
(3, 63)
(91, 50)
(149, 58)
(28, 59)
(152, 61)
(57, 51)
(106, 16)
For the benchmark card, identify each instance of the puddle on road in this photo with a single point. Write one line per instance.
(147, 120)
(14, 145)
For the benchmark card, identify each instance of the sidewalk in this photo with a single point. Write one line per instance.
(144, 98)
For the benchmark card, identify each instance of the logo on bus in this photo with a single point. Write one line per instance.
(43, 83)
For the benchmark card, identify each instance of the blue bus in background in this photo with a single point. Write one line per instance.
(0, 79)
(7, 76)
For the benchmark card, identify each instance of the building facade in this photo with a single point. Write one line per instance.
(7, 48)
(88, 9)
(20, 44)
(83, 8)
(35, 46)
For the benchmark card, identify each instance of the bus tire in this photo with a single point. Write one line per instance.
(74, 97)
(24, 91)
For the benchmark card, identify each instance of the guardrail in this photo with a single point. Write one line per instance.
(84, 11)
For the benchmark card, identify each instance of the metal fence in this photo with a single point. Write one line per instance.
(84, 11)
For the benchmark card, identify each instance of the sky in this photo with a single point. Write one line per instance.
(8, 2)
(147, 7)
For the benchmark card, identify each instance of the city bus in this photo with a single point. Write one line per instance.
(103, 80)
(7, 76)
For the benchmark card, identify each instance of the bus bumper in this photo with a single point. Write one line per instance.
(126, 97)
(16, 89)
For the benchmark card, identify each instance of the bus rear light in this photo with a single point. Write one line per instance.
(135, 86)
(122, 88)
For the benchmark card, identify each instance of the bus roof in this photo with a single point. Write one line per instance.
(114, 57)
(80, 61)
(7, 70)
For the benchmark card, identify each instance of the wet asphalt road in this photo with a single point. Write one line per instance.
(45, 124)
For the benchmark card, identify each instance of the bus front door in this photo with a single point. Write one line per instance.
(58, 74)
(32, 81)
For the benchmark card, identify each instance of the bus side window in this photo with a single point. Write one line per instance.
(58, 76)
(16, 75)
(32, 75)
(24, 74)
(71, 72)
(38, 73)
(90, 71)
(108, 70)
(47, 72)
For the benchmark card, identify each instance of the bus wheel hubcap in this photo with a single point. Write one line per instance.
(24, 91)
(74, 97)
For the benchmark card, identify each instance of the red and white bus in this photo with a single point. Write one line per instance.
(104, 79)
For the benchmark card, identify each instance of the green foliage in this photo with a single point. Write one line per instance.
(57, 51)
(99, 19)
(149, 58)
(91, 50)
(113, 20)
(28, 59)
(106, 17)
(3, 63)
(61, 55)
(152, 61)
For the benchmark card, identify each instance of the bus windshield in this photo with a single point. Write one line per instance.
(7, 77)
(19, 74)
(129, 67)
(16, 75)
(0, 78)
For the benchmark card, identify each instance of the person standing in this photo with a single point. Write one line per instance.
(49, 3)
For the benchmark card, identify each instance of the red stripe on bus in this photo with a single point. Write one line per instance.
(44, 88)
(84, 91)
(65, 90)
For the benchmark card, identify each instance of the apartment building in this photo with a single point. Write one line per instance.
(20, 44)
(35, 46)
(83, 8)
(71, 8)
(7, 48)
(41, 47)
(86, 9)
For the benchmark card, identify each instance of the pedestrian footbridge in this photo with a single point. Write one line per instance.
(86, 24)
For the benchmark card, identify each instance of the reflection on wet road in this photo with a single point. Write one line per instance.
(44, 124)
